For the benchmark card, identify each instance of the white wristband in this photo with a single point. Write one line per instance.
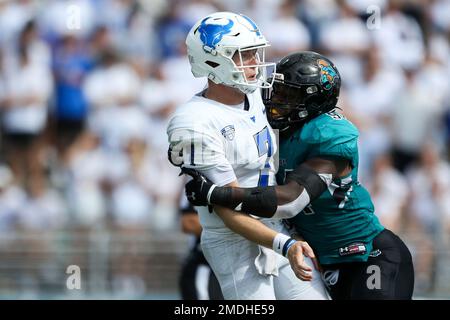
(281, 243)
(208, 196)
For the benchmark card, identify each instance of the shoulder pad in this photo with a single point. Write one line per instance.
(329, 126)
(331, 134)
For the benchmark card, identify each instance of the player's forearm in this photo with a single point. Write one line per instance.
(286, 201)
(255, 231)
(303, 185)
(259, 201)
(246, 226)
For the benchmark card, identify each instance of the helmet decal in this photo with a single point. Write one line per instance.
(255, 28)
(328, 75)
(212, 32)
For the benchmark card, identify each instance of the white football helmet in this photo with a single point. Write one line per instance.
(213, 41)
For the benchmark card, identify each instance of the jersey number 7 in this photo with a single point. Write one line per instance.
(264, 145)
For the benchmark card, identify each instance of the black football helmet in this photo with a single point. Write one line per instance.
(306, 84)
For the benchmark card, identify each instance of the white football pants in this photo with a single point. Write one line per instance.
(232, 258)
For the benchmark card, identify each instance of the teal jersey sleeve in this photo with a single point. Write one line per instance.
(331, 134)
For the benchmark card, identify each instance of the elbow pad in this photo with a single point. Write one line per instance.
(315, 183)
(259, 201)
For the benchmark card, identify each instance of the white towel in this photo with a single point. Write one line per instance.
(267, 262)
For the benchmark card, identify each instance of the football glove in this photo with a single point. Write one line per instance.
(198, 189)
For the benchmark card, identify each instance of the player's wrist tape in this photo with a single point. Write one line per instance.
(281, 243)
(208, 196)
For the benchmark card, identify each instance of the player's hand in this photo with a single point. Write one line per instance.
(296, 258)
(197, 189)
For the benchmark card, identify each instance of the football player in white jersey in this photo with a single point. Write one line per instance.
(223, 133)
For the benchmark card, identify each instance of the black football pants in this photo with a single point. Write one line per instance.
(388, 273)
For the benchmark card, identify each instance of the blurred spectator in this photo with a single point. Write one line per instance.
(28, 86)
(116, 14)
(439, 48)
(113, 91)
(118, 124)
(75, 18)
(416, 117)
(430, 183)
(71, 65)
(160, 181)
(315, 14)
(429, 212)
(37, 49)
(85, 165)
(171, 29)
(194, 10)
(131, 201)
(11, 198)
(440, 13)
(3, 93)
(112, 82)
(346, 40)
(44, 209)
(176, 69)
(369, 106)
(158, 106)
(13, 17)
(447, 131)
(138, 42)
(400, 38)
(389, 192)
(265, 10)
(131, 30)
(99, 42)
(275, 31)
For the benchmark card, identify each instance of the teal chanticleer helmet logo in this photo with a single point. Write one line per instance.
(328, 75)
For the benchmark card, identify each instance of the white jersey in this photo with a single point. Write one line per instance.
(225, 143)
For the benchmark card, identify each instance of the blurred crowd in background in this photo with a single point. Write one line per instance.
(87, 87)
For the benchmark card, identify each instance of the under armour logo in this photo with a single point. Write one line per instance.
(193, 196)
